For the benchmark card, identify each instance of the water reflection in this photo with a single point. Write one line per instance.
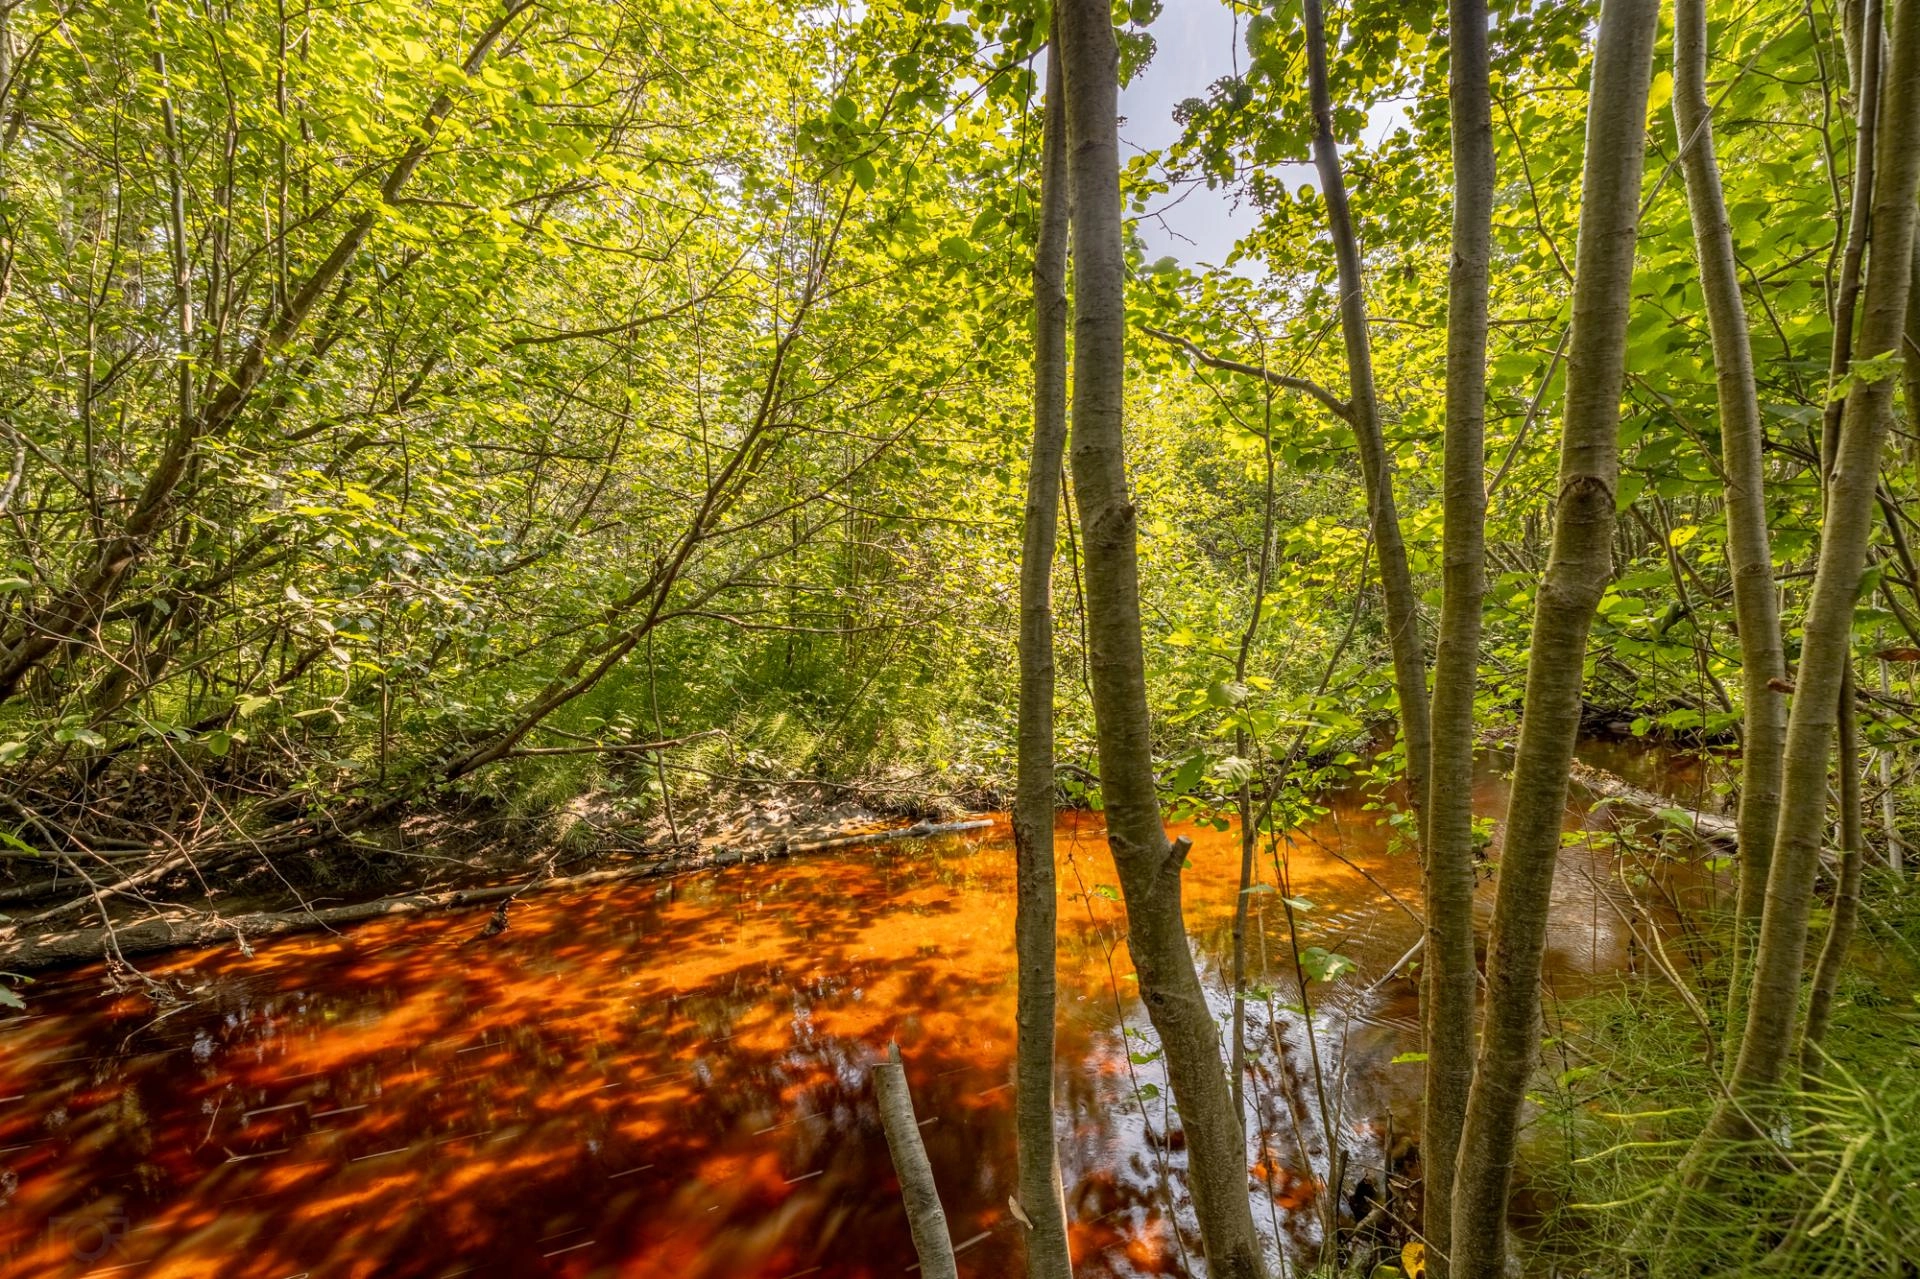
(671, 1079)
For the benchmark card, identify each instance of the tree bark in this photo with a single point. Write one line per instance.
(1766, 1044)
(1846, 895)
(1889, 820)
(1450, 978)
(1826, 652)
(1376, 467)
(1149, 869)
(1577, 572)
(1763, 663)
(1041, 1196)
(925, 1217)
(1910, 352)
(1250, 821)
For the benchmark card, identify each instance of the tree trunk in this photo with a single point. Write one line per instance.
(1376, 468)
(1763, 663)
(1041, 1197)
(925, 1217)
(1846, 895)
(1889, 817)
(1450, 978)
(1826, 651)
(1766, 1044)
(1250, 820)
(1910, 365)
(1577, 572)
(1149, 869)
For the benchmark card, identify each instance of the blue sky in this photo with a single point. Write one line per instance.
(1197, 45)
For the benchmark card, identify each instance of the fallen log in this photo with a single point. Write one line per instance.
(24, 952)
(919, 830)
(1617, 792)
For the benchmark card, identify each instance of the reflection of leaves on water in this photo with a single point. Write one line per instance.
(679, 1072)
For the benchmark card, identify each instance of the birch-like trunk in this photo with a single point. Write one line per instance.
(1450, 978)
(1036, 901)
(1376, 468)
(1766, 1044)
(1149, 868)
(1846, 896)
(925, 1217)
(1577, 573)
(1763, 663)
(1826, 651)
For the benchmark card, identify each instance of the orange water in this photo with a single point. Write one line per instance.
(670, 1078)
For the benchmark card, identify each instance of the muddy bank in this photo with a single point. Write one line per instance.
(65, 910)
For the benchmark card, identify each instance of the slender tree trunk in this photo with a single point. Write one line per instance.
(1889, 820)
(1766, 1044)
(1910, 351)
(1853, 473)
(1396, 579)
(1242, 746)
(1149, 868)
(926, 1219)
(1866, 61)
(1846, 896)
(1041, 1197)
(1763, 663)
(1577, 572)
(1449, 974)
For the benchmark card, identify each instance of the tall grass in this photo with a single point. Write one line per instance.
(1833, 1191)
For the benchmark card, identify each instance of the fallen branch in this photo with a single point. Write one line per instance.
(1618, 792)
(919, 830)
(925, 1217)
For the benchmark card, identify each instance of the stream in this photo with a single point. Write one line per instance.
(670, 1077)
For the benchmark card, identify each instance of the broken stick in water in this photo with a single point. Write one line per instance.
(925, 1217)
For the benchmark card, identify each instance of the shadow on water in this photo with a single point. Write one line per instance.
(671, 1079)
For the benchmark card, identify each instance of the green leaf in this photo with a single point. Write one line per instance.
(1323, 965)
(1226, 693)
(863, 173)
(1402, 1059)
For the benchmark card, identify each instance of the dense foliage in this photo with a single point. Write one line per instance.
(411, 407)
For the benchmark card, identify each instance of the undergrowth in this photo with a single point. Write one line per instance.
(1629, 1081)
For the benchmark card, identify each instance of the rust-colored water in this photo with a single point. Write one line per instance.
(671, 1078)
